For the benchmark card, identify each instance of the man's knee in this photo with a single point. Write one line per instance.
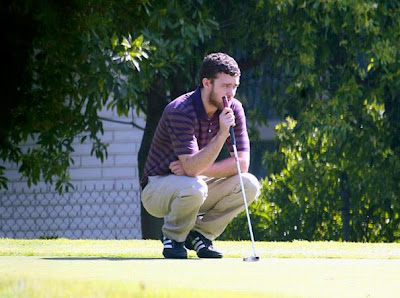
(195, 189)
(251, 185)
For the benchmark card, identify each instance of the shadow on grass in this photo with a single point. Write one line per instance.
(112, 259)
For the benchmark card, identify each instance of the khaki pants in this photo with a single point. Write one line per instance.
(204, 204)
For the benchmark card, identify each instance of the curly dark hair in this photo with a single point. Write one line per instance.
(216, 63)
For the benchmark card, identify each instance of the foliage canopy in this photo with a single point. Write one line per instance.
(335, 174)
(330, 68)
(70, 59)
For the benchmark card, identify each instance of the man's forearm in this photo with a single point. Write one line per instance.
(224, 168)
(227, 167)
(196, 164)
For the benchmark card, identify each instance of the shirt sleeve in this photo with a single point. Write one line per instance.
(181, 128)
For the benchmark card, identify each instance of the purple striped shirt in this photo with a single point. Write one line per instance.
(185, 128)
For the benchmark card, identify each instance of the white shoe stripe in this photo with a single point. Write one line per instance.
(167, 243)
(197, 244)
(199, 247)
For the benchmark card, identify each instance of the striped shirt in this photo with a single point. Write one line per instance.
(185, 128)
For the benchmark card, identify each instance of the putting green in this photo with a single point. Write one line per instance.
(118, 277)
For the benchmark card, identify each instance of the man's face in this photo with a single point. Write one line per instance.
(223, 85)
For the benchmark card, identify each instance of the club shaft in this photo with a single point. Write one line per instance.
(244, 198)
(233, 140)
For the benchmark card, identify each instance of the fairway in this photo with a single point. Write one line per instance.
(152, 276)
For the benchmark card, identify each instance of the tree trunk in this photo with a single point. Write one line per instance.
(156, 102)
(345, 194)
(392, 112)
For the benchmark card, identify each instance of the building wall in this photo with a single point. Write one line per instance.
(104, 205)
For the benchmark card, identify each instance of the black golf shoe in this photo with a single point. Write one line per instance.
(173, 249)
(203, 246)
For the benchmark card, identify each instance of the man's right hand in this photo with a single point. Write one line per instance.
(195, 164)
(226, 120)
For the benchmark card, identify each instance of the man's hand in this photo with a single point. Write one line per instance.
(176, 168)
(195, 164)
(226, 120)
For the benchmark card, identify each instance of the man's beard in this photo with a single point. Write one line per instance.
(214, 100)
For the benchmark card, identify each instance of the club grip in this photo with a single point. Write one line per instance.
(225, 100)
(231, 132)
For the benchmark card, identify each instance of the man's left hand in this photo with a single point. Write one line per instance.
(176, 168)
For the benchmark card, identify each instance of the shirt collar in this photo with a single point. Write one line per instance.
(198, 104)
(199, 107)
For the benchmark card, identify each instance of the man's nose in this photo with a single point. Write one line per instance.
(231, 92)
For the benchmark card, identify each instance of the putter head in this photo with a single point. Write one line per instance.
(251, 259)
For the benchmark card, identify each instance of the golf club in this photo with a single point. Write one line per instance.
(254, 257)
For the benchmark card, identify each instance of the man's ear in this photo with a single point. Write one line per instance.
(206, 83)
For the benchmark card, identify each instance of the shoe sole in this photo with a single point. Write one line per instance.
(168, 256)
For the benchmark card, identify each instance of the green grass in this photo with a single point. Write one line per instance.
(135, 268)
(231, 249)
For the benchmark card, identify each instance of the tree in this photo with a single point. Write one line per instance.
(66, 60)
(77, 56)
(179, 30)
(330, 66)
(335, 174)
